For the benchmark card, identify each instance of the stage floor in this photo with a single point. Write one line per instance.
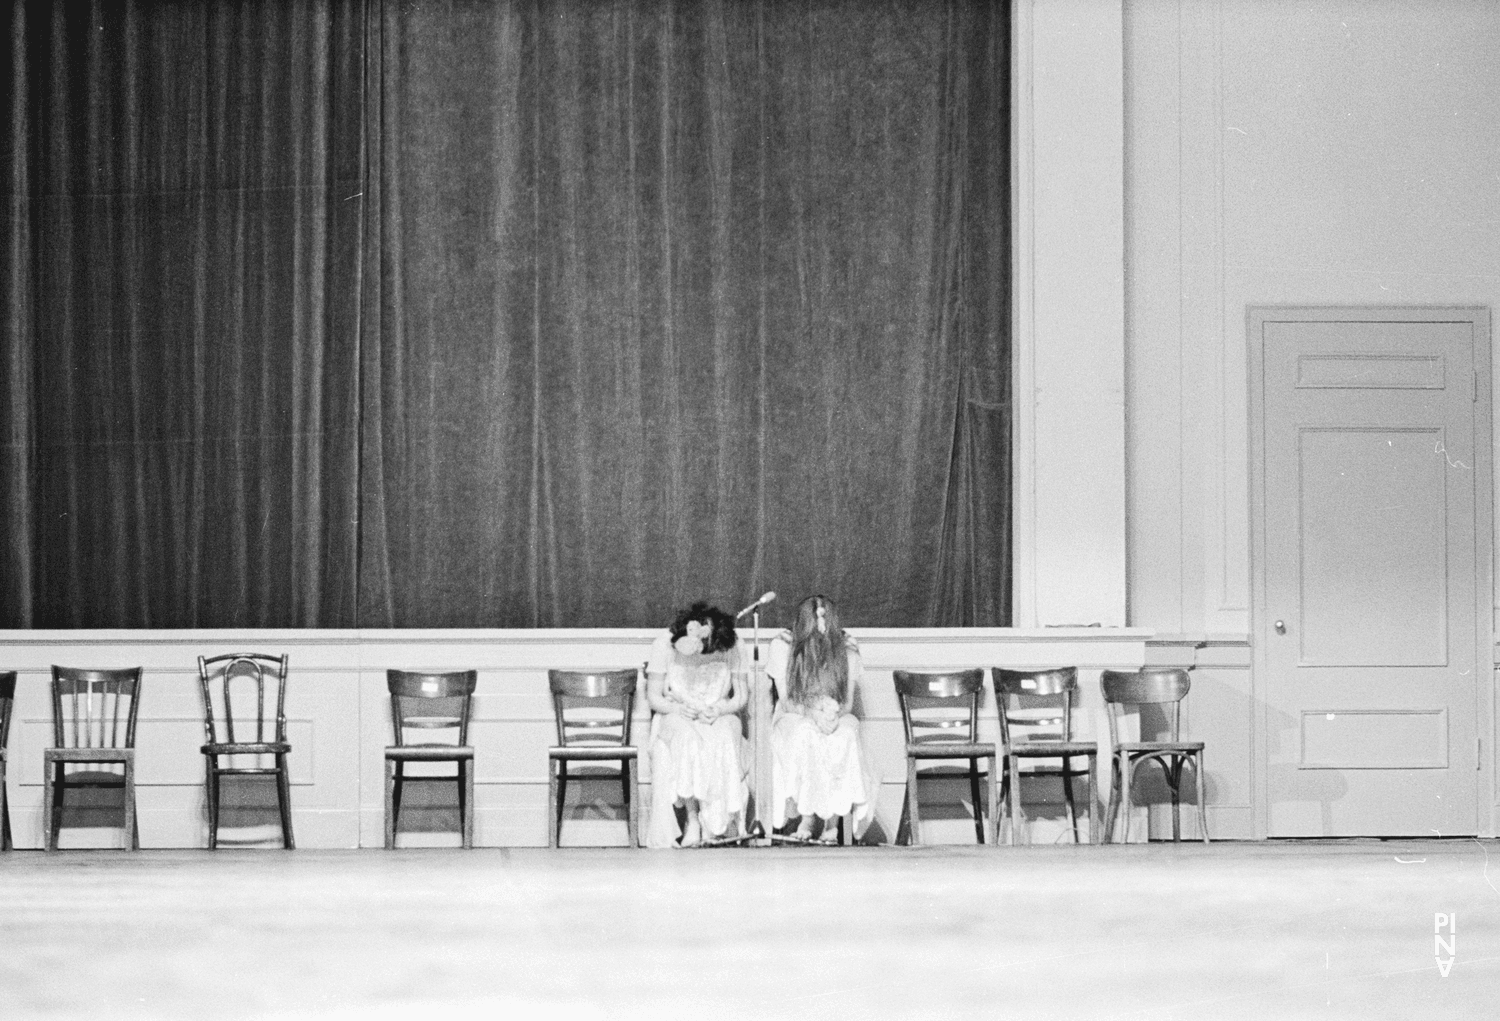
(1230, 930)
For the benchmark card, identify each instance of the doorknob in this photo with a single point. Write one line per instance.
(1281, 627)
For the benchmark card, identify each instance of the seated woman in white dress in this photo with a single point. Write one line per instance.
(819, 769)
(697, 680)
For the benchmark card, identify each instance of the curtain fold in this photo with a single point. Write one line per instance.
(527, 314)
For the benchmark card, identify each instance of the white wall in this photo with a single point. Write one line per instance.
(1277, 152)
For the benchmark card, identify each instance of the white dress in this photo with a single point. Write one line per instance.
(821, 774)
(692, 759)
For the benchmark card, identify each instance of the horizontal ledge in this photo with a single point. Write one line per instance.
(530, 636)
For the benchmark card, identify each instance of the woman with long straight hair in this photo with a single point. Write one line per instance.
(819, 769)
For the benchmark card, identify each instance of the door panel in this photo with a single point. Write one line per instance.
(1368, 618)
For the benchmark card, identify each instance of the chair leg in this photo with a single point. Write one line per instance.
(1115, 770)
(211, 795)
(5, 838)
(466, 800)
(1198, 780)
(913, 812)
(560, 779)
(1128, 774)
(994, 799)
(1174, 783)
(975, 795)
(284, 799)
(390, 804)
(1093, 798)
(627, 768)
(552, 833)
(132, 829)
(1017, 813)
(1067, 779)
(53, 803)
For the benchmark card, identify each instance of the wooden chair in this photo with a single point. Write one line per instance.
(93, 725)
(245, 672)
(1123, 691)
(430, 702)
(940, 714)
(593, 713)
(1036, 722)
(7, 703)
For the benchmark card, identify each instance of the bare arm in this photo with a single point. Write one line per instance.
(662, 702)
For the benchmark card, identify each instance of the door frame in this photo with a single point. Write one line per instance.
(1488, 812)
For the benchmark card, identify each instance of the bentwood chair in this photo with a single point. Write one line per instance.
(93, 726)
(7, 703)
(1036, 723)
(248, 674)
(593, 713)
(428, 703)
(940, 714)
(1150, 687)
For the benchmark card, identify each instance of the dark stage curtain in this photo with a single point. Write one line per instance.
(627, 304)
(181, 315)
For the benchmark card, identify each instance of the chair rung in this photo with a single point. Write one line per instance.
(88, 754)
(949, 750)
(592, 752)
(242, 748)
(1053, 749)
(248, 771)
(429, 753)
(1159, 746)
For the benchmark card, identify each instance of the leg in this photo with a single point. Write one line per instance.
(211, 796)
(1067, 779)
(994, 799)
(632, 825)
(54, 804)
(1013, 772)
(390, 804)
(1198, 780)
(974, 794)
(132, 830)
(913, 812)
(284, 800)
(562, 794)
(1093, 797)
(466, 800)
(5, 840)
(1129, 765)
(1115, 770)
(552, 803)
(1174, 783)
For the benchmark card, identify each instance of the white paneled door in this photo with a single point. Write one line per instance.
(1372, 508)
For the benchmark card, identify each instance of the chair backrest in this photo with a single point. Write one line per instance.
(95, 708)
(592, 707)
(1147, 686)
(431, 701)
(228, 683)
(1035, 705)
(7, 702)
(939, 707)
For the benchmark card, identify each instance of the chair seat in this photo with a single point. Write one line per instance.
(587, 752)
(88, 754)
(1159, 746)
(429, 752)
(949, 750)
(1052, 749)
(247, 748)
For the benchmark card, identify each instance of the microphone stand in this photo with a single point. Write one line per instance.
(760, 722)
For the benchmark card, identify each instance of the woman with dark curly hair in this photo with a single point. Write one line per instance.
(697, 680)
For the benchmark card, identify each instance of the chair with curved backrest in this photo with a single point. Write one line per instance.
(245, 674)
(93, 725)
(429, 702)
(940, 714)
(1166, 688)
(1036, 722)
(7, 703)
(593, 712)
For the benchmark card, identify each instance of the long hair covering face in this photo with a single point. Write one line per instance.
(819, 664)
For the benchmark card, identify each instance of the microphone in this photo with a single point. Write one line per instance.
(762, 601)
